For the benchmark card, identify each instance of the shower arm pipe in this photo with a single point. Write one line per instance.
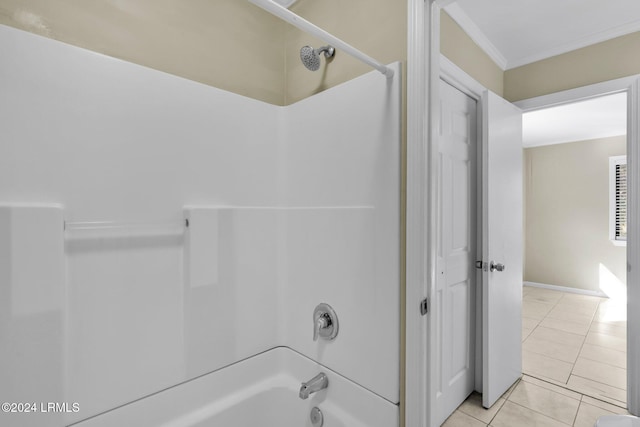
(301, 23)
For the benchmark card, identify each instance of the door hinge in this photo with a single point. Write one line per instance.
(424, 306)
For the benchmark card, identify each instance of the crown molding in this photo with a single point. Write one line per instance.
(592, 39)
(457, 14)
(478, 36)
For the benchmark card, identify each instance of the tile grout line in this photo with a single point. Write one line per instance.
(604, 346)
(537, 412)
(578, 411)
(583, 342)
(605, 363)
(508, 395)
(600, 382)
(581, 345)
(598, 361)
(565, 386)
(498, 411)
(604, 401)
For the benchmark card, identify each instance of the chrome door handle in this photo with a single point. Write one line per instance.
(496, 266)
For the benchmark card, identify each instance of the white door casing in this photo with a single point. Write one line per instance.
(454, 304)
(422, 79)
(501, 244)
(630, 85)
(633, 248)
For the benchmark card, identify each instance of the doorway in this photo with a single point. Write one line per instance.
(550, 402)
(422, 76)
(477, 295)
(574, 299)
(455, 296)
(630, 86)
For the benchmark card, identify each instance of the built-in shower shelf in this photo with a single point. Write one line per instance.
(104, 229)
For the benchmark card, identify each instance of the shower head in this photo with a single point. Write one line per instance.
(310, 57)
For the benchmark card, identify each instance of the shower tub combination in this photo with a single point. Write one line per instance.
(260, 391)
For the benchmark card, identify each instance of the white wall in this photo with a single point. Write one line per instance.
(567, 216)
(303, 214)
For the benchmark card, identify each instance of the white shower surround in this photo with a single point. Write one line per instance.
(310, 193)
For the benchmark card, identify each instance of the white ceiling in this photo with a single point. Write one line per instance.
(517, 32)
(596, 118)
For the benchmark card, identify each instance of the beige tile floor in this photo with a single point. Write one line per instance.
(533, 403)
(574, 363)
(577, 342)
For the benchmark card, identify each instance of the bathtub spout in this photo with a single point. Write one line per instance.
(317, 383)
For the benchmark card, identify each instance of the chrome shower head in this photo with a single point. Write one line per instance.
(310, 57)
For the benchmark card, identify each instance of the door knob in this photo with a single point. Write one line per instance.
(496, 266)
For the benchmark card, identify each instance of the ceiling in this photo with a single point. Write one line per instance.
(518, 32)
(595, 118)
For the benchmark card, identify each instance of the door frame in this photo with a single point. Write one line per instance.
(460, 80)
(423, 50)
(425, 67)
(417, 398)
(628, 85)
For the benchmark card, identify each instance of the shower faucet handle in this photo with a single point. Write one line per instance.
(321, 323)
(325, 322)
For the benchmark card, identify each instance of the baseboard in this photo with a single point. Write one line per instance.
(566, 289)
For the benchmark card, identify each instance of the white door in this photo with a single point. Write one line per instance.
(501, 246)
(456, 243)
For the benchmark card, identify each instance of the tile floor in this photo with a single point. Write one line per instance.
(577, 342)
(574, 363)
(533, 403)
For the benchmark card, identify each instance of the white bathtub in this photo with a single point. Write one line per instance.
(259, 391)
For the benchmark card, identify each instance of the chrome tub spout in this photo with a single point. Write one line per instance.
(317, 383)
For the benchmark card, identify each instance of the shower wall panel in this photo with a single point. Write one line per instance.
(301, 204)
(343, 166)
(112, 141)
(32, 313)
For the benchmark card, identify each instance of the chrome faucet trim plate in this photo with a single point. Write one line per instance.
(325, 322)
